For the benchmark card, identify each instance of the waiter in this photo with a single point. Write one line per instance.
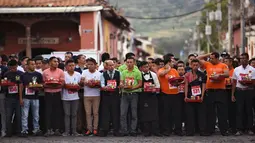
(110, 100)
(242, 94)
(195, 86)
(231, 105)
(148, 103)
(216, 92)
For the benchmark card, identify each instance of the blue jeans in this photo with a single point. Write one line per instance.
(34, 103)
(128, 99)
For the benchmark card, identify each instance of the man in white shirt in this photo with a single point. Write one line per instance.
(70, 98)
(91, 79)
(242, 93)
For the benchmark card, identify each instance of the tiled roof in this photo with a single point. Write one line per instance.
(48, 3)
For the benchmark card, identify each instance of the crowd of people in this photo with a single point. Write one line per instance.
(156, 97)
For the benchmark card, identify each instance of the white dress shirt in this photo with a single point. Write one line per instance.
(239, 71)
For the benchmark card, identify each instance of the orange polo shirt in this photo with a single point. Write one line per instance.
(164, 84)
(228, 80)
(218, 69)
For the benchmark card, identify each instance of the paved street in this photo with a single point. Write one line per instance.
(140, 139)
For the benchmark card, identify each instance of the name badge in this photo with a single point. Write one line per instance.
(196, 90)
(70, 92)
(181, 88)
(13, 89)
(112, 83)
(29, 91)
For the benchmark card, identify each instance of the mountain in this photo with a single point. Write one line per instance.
(166, 31)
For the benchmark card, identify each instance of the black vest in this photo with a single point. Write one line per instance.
(149, 80)
(115, 77)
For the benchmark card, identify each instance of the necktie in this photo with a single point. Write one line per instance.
(111, 74)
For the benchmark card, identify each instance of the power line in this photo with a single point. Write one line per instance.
(168, 17)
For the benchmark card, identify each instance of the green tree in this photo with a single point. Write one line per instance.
(216, 35)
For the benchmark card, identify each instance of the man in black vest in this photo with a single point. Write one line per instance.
(148, 103)
(110, 100)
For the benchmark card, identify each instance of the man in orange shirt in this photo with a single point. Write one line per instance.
(231, 105)
(170, 101)
(216, 92)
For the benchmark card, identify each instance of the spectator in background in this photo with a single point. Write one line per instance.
(61, 64)
(45, 64)
(159, 63)
(150, 62)
(115, 61)
(68, 56)
(38, 64)
(104, 57)
(13, 57)
(4, 60)
(252, 62)
(81, 63)
(23, 61)
(180, 64)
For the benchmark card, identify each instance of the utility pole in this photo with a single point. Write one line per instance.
(242, 28)
(230, 28)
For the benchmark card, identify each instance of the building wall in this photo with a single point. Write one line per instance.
(110, 45)
(49, 29)
(251, 46)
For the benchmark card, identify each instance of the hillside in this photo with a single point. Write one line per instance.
(167, 31)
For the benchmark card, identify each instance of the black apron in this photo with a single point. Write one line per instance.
(148, 104)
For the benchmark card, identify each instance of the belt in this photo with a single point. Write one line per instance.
(132, 93)
(243, 89)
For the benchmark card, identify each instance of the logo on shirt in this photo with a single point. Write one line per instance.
(17, 78)
(34, 78)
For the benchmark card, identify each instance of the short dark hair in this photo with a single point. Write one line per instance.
(168, 56)
(129, 55)
(38, 58)
(253, 59)
(52, 58)
(91, 60)
(195, 61)
(246, 55)
(4, 58)
(69, 61)
(30, 60)
(229, 58)
(158, 61)
(69, 53)
(191, 55)
(129, 58)
(151, 59)
(45, 61)
(12, 63)
(180, 62)
(23, 58)
(80, 55)
(216, 54)
(114, 59)
(143, 63)
(105, 56)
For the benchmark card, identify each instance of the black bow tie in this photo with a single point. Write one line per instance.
(146, 73)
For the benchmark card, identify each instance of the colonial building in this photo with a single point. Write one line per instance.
(33, 27)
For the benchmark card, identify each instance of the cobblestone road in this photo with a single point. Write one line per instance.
(140, 139)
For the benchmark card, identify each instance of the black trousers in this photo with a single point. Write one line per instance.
(110, 112)
(244, 101)
(13, 108)
(195, 113)
(151, 127)
(53, 111)
(171, 113)
(81, 116)
(216, 101)
(231, 111)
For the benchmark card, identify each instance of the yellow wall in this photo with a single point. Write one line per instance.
(106, 35)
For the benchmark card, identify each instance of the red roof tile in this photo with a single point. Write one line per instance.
(47, 3)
